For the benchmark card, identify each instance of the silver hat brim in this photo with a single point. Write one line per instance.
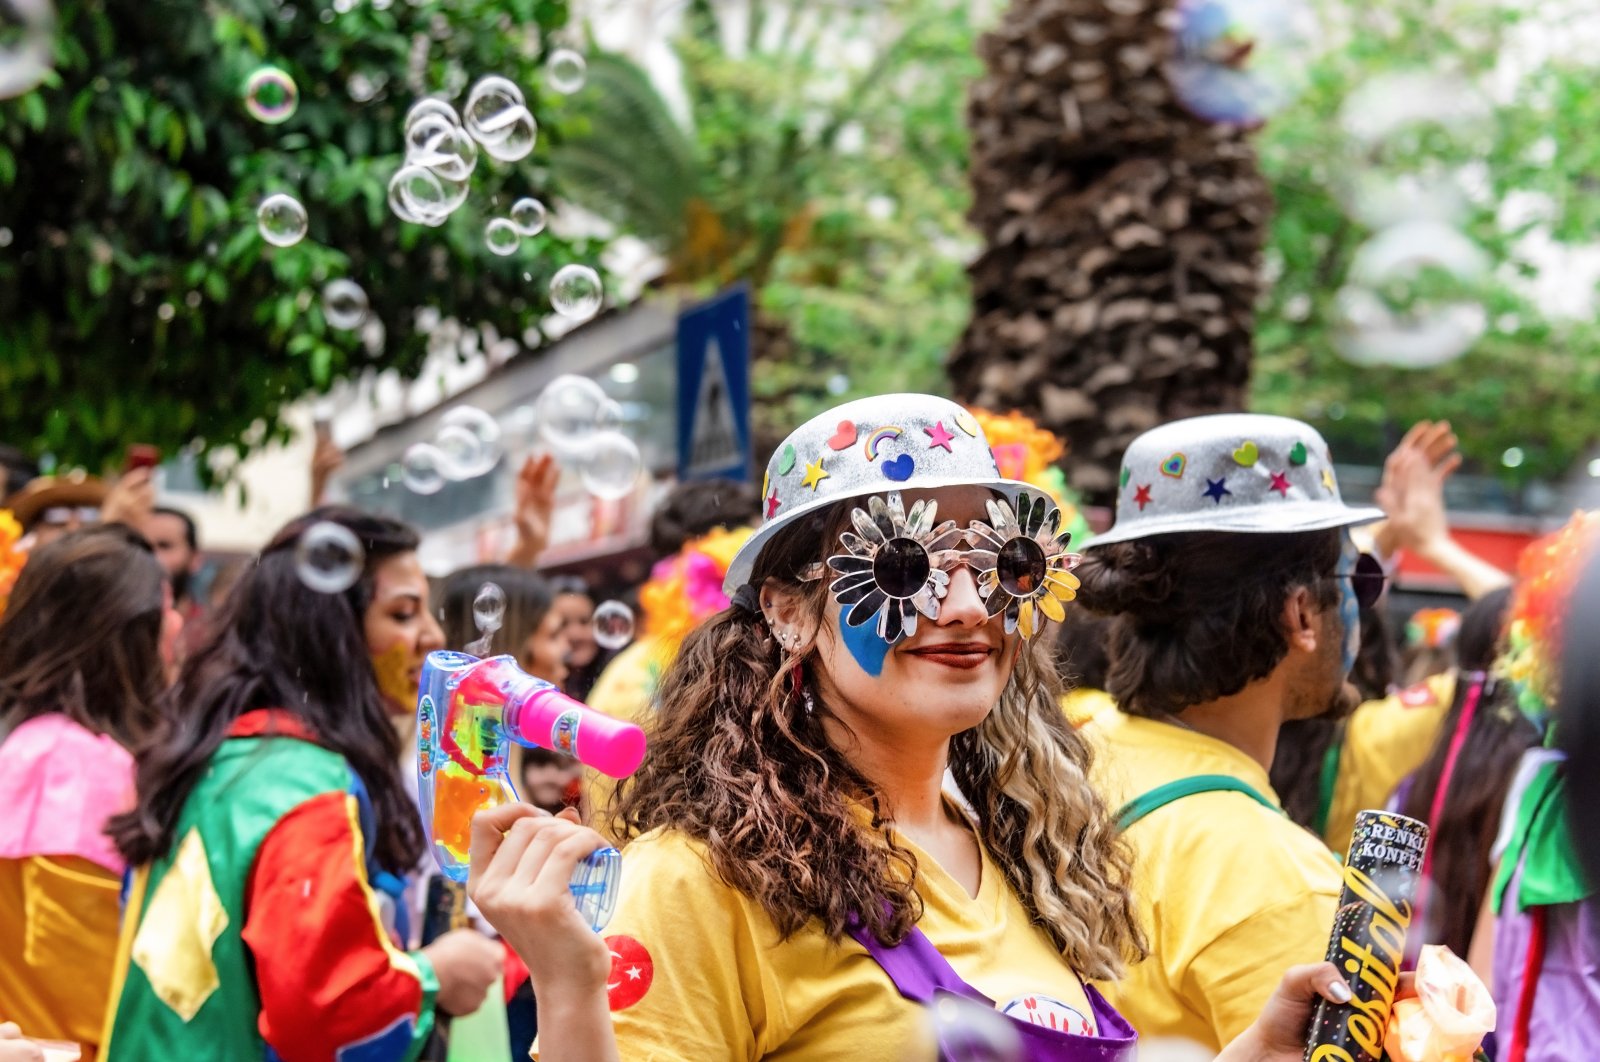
(1280, 520)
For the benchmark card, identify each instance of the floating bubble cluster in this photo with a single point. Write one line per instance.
(329, 558)
(613, 625)
(466, 445)
(1239, 61)
(282, 220)
(270, 95)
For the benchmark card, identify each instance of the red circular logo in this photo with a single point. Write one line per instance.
(631, 972)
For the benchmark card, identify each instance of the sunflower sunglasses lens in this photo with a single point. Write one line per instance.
(901, 567)
(1021, 567)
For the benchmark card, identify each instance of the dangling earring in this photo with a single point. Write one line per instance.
(811, 704)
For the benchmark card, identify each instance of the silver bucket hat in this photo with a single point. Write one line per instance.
(872, 446)
(1243, 473)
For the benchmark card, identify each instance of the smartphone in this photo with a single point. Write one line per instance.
(141, 455)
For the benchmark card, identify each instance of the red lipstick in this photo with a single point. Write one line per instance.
(961, 656)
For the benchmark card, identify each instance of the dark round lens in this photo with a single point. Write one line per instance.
(901, 567)
(1021, 567)
(1368, 580)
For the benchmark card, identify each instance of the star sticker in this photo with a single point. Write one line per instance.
(1280, 483)
(772, 505)
(815, 474)
(1141, 497)
(940, 436)
(1327, 478)
(1216, 488)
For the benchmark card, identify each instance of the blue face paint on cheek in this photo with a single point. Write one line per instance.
(1349, 607)
(865, 646)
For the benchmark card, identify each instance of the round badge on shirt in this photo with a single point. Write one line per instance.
(1050, 1013)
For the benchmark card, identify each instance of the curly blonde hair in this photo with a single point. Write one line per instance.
(737, 763)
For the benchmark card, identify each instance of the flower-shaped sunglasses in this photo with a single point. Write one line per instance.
(897, 565)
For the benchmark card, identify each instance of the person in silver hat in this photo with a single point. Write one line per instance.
(1235, 592)
(797, 885)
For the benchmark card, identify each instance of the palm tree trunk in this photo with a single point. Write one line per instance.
(1123, 235)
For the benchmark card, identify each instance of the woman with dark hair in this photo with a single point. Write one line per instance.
(1462, 785)
(270, 805)
(81, 667)
(796, 884)
(585, 661)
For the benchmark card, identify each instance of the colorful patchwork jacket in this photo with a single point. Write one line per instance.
(259, 936)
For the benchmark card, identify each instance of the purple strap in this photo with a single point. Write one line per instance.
(920, 973)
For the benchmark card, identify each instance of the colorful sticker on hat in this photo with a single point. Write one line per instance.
(1247, 454)
(900, 468)
(786, 462)
(876, 440)
(1173, 466)
(1327, 479)
(772, 505)
(1216, 488)
(564, 732)
(815, 474)
(1141, 497)
(940, 436)
(632, 971)
(967, 423)
(1280, 483)
(845, 437)
(1126, 475)
(1298, 454)
(1050, 1013)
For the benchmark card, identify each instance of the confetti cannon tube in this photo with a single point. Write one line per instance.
(468, 713)
(1368, 941)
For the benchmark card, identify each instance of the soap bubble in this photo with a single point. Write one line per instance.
(445, 149)
(528, 215)
(492, 109)
(611, 467)
(1239, 61)
(1410, 299)
(270, 95)
(565, 71)
(282, 220)
(969, 1031)
(575, 292)
(344, 304)
(417, 194)
(329, 558)
(516, 140)
(501, 236)
(613, 625)
(422, 469)
(465, 456)
(488, 608)
(610, 417)
(568, 412)
(475, 420)
(430, 105)
(27, 45)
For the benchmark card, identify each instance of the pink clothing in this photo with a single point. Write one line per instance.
(59, 783)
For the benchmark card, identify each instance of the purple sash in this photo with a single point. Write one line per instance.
(920, 973)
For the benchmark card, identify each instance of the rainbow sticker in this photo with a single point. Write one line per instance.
(877, 439)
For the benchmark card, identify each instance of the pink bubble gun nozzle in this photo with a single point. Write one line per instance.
(468, 713)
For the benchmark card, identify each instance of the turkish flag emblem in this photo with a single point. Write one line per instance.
(632, 970)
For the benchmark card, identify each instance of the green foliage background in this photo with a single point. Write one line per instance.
(138, 302)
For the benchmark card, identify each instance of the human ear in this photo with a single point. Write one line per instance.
(1302, 619)
(783, 607)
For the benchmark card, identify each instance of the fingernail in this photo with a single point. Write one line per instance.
(1340, 992)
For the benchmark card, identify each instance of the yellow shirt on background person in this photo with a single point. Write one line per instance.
(699, 973)
(1384, 741)
(625, 690)
(1230, 893)
(1082, 705)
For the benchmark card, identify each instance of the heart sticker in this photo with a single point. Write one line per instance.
(1174, 465)
(1247, 454)
(845, 437)
(967, 423)
(786, 462)
(1298, 455)
(900, 469)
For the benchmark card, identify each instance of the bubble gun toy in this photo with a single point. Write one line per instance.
(468, 713)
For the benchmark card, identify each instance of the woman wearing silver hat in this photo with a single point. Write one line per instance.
(798, 885)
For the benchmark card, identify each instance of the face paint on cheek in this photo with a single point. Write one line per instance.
(868, 650)
(1349, 607)
(392, 668)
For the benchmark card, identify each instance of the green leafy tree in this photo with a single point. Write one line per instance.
(1531, 381)
(138, 302)
(829, 178)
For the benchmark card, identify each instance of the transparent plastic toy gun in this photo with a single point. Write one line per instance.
(468, 713)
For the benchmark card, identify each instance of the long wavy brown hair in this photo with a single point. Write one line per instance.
(737, 763)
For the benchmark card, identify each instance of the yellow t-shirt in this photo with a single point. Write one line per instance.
(624, 690)
(1082, 705)
(1230, 893)
(699, 973)
(1383, 742)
